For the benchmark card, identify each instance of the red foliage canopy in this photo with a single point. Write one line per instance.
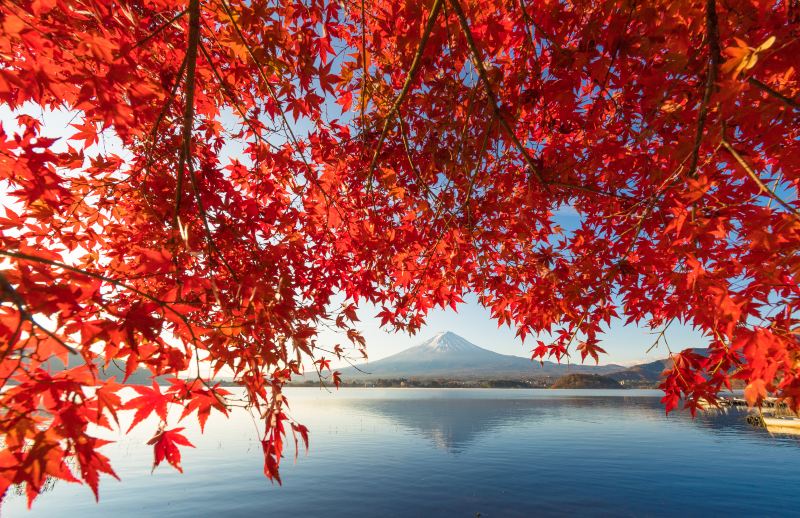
(271, 159)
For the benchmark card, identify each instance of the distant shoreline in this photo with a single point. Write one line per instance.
(537, 383)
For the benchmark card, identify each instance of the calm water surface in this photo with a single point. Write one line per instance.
(458, 452)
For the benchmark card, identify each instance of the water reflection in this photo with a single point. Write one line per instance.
(454, 424)
(454, 453)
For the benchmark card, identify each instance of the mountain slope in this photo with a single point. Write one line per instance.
(449, 355)
(647, 373)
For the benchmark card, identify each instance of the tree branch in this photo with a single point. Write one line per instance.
(188, 129)
(788, 101)
(712, 38)
(100, 277)
(752, 174)
(188, 112)
(162, 114)
(412, 73)
(25, 314)
(477, 60)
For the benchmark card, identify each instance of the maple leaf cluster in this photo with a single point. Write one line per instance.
(238, 174)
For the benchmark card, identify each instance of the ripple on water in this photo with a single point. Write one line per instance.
(457, 452)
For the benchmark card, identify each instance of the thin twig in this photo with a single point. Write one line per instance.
(162, 114)
(232, 97)
(660, 335)
(203, 215)
(157, 31)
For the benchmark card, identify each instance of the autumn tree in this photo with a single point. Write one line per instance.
(238, 174)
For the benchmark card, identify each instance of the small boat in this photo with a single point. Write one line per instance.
(782, 424)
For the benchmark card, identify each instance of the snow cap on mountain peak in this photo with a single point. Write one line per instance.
(448, 341)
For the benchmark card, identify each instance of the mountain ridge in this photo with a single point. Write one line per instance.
(450, 355)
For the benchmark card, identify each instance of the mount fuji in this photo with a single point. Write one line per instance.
(448, 355)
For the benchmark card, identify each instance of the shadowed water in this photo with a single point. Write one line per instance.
(418, 452)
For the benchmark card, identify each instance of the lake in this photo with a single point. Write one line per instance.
(456, 452)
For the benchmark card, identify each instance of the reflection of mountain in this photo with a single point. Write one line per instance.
(452, 424)
(449, 355)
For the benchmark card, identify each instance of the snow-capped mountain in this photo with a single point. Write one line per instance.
(448, 355)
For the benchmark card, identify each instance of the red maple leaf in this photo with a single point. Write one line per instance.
(149, 400)
(165, 446)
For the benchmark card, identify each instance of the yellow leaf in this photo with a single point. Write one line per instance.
(670, 106)
(744, 57)
(767, 44)
(748, 62)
